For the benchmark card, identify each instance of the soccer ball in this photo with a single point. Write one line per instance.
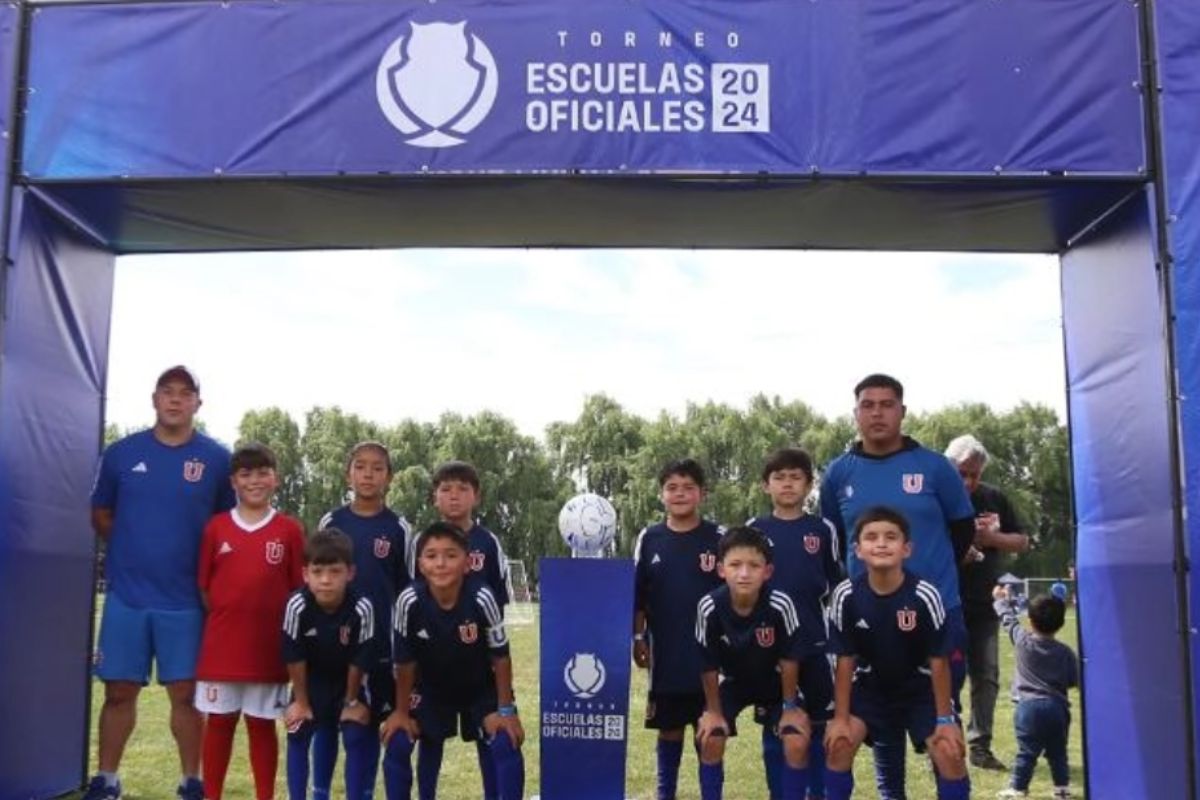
(588, 523)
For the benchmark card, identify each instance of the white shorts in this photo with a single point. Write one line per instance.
(262, 700)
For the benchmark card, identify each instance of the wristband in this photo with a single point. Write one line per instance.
(790, 705)
(507, 711)
(350, 703)
(948, 719)
(639, 637)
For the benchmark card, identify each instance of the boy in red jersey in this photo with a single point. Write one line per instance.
(251, 558)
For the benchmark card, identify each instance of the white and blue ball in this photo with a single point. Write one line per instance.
(588, 523)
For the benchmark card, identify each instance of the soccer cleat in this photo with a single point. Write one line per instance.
(1011, 794)
(985, 759)
(98, 789)
(192, 789)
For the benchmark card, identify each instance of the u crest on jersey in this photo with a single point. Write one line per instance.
(468, 632)
(477, 559)
(344, 635)
(708, 562)
(906, 619)
(210, 693)
(764, 636)
(275, 552)
(193, 470)
(812, 543)
(383, 546)
(912, 482)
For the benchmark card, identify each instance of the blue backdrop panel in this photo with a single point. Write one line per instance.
(778, 86)
(586, 622)
(1178, 28)
(1134, 690)
(55, 354)
(9, 27)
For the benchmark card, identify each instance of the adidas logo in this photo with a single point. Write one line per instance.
(311, 632)
(224, 548)
(140, 467)
(422, 634)
(656, 559)
(862, 623)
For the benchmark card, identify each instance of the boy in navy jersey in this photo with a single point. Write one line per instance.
(456, 494)
(378, 536)
(752, 642)
(453, 671)
(807, 565)
(328, 631)
(675, 564)
(888, 629)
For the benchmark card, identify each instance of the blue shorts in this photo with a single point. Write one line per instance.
(887, 717)
(131, 638)
(816, 684)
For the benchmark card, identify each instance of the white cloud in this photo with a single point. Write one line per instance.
(530, 333)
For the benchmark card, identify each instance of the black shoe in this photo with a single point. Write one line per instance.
(985, 759)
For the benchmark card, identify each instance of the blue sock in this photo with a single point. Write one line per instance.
(297, 761)
(712, 780)
(324, 759)
(429, 764)
(397, 767)
(360, 778)
(487, 770)
(509, 767)
(954, 790)
(795, 782)
(772, 756)
(669, 755)
(816, 761)
(370, 754)
(838, 785)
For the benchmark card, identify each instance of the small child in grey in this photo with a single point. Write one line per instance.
(1045, 669)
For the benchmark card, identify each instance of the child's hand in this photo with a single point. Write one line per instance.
(295, 715)
(836, 730)
(952, 735)
(1000, 592)
(641, 653)
(355, 713)
(710, 724)
(494, 723)
(398, 722)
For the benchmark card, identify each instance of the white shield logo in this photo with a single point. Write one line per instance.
(584, 675)
(912, 482)
(436, 83)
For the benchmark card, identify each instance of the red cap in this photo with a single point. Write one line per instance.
(178, 373)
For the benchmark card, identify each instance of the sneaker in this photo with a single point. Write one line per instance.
(985, 759)
(1010, 794)
(192, 789)
(98, 789)
(1062, 793)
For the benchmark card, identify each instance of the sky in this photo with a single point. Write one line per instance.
(403, 334)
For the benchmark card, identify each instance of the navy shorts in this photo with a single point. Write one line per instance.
(668, 711)
(133, 638)
(816, 685)
(441, 718)
(888, 716)
(734, 700)
(380, 683)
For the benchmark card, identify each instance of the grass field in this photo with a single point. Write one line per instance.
(150, 768)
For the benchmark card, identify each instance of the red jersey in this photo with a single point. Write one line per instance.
(247, 572)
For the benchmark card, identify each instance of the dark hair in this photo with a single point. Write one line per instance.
(877, 380)
(1046, 613)
(441, 530)
(456, 471)
(882, 514)
(251, 455)
(370, 445)
(684, 468)
(329, 546)
(744, 536)
(788, 458)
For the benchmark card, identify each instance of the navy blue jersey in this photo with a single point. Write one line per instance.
(892, 636)
(452, 648)
(807, 558)
(380, 571)
(672, 572)
(915, 481)
(328, 642)
(486, 557)
(748, 649)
